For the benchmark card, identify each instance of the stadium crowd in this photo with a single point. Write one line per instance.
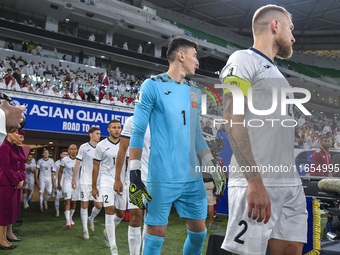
(118, 88)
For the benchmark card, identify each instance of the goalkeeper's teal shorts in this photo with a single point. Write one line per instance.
(190, 200)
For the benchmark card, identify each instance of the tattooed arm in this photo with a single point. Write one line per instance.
(239, 137)
(257, 196)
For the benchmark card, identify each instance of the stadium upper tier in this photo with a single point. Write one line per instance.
(308, 70)
(139, 23)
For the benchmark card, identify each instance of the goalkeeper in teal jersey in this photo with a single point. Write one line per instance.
(171, 106)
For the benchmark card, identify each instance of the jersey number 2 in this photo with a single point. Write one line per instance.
(237, 238)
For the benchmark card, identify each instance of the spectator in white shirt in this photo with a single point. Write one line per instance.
(327, 128)
(2, 84)
(55, 53)
(55, 92)
(301, 121)
(25, 89)
(47, 89)
(13, 85)
(30, 69)
(118, 74)
(92, 38)
(122, 88)
(125, 46)
(119, 102)
(126, 102)
(106, 100)
(140, 49)
(38, 89)
(30, 89)
(39, 49)
(128, 87)
(76, 96)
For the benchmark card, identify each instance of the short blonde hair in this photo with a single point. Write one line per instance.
(264, 15)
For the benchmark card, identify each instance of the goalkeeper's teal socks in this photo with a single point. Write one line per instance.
(153, 245)
(194, 243)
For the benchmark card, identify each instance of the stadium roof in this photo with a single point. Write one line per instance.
(311, 18)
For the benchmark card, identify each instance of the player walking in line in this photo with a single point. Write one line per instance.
(136, 214)
(66, 172)
(115, 205)
(269, 207)
(56, 193)
(44, 170)
(172, 106)
(30, 167)
(85, 157)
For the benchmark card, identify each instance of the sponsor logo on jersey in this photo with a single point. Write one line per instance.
(139, 97)
(168, 92)
(194, 104)
(267, 66)
(193, 96)
(232, 71)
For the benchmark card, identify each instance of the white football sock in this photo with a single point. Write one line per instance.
(94, 213)
(143, 236)
(134, 238)
(117, 220)
(67, 216)
(48, 195)
(71, 213)
(56, 205)
(41, 199)
(84, 215)
(110, 230)
(24, 198)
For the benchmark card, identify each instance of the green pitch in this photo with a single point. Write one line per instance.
(42, 233)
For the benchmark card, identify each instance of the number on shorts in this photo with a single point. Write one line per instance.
(82, 194)
(237, 238)
(105, 198)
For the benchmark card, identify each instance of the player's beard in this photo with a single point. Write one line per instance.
(114, 137)
(285, 49)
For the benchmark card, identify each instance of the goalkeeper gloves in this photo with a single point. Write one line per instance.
(137, 188)
(218, 176)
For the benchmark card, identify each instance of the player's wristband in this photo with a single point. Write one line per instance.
(207, 157)
(135, 164)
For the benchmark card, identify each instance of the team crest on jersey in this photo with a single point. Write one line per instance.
(232, 71)
(139, 97)
(193, 96)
